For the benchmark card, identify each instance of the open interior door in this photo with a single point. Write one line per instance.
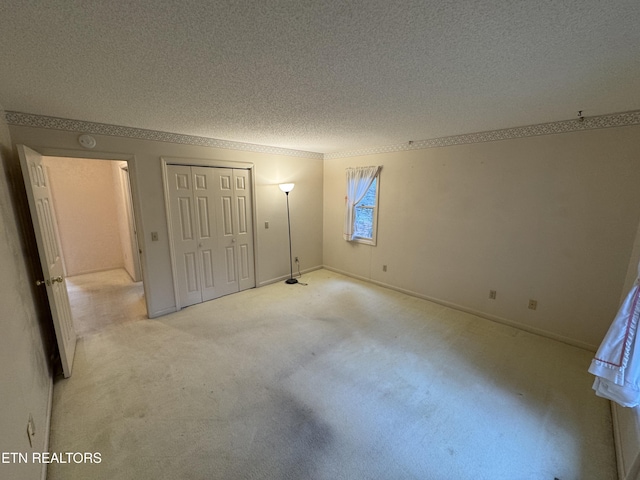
(46, 231)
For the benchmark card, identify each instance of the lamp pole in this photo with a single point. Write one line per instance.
(290, 280)
(286, 188)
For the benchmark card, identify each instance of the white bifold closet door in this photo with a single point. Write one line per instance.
(212, 231)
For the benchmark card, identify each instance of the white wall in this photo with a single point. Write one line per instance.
(270, 169)
(25, 338)
(551, 218)
(84, 196)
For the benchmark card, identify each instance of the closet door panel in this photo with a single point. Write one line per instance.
(206, 229)
(226, 259)
(212, 231)
(244, 229)
(183, 229)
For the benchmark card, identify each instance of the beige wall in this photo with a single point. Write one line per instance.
(145, 168)
(84, 196)
(127, 234)
(551, 218)
(25, 377)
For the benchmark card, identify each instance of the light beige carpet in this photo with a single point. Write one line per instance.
(339, 379)
(104, 298)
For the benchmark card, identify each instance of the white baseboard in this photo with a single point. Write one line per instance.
(488, 316)
(162, 312)
(282, 278)
(97, 270)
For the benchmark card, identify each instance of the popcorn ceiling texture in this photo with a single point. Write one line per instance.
(316, 76)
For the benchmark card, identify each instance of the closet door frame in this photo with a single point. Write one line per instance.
(201, 162)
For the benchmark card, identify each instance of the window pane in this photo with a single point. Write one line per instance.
(370, 197)
(363, 225)
(364, 215)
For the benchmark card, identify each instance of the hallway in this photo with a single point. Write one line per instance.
(99, 300)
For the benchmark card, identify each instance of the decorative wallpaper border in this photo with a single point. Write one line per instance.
(55, 123)
(565, 126)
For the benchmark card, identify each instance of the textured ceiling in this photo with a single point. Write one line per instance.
(321, 76)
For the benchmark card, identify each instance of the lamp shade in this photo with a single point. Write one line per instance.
(286, 187)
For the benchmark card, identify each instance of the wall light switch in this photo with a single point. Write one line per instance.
(154, 236)
(266, 224)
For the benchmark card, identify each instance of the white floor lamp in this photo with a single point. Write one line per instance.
(286, 188)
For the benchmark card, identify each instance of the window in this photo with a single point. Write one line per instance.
(366, 216)
(361, 204)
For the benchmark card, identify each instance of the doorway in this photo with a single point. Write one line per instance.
(96, 229)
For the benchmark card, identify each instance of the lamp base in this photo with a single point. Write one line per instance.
(291, 281)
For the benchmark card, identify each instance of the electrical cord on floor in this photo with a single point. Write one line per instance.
(300, 274)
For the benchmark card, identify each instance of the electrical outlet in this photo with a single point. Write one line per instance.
(296, 260)
(266, 224)
(533, 304)
(492, 294)
(384, 268)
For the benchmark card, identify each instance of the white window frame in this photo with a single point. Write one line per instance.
(374, 230)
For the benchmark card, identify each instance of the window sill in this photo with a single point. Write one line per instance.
(364, 241)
